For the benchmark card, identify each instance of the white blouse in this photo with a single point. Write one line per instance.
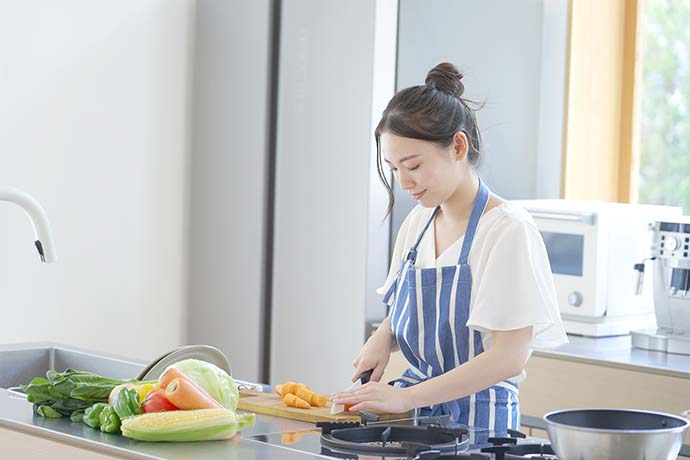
(512, 284)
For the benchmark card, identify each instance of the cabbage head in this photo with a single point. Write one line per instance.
(217, 383)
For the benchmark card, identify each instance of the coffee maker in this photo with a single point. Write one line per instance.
(670, 264)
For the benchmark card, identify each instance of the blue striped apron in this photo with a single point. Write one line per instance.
(429, 312)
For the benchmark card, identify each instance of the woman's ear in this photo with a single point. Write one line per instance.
(460, 145)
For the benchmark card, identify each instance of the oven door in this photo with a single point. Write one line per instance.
(573, 246)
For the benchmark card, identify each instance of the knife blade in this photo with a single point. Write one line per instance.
(425, 419)
(361, 380)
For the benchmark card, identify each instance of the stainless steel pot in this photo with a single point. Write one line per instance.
(615, 434)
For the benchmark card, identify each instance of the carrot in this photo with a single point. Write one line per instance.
(169, 375)
(293, 401)
(279, 389)
(319, 400)
(315, 399)
(289, 387)
(292, 387)
(187, 396)
(303, 393)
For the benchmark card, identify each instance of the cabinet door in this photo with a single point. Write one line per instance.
(22, 446)
(554, 384)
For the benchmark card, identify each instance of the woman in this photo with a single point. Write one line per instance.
(470, 287)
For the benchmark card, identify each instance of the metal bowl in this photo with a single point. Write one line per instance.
(615, 434)
(202, 352)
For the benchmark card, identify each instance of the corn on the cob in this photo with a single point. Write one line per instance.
(186, 425)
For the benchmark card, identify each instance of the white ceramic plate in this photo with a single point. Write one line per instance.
(201, 352)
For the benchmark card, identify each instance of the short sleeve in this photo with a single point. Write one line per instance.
(514, 288)
(402, 244)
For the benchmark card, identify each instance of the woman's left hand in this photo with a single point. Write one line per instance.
(376, 396)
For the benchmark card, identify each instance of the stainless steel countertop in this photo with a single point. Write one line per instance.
(617, 352)
(16, 414)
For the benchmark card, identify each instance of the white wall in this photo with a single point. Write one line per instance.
(93, 124)
(513, 55)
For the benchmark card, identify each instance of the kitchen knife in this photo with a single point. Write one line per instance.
(424, 419)
(361, 380)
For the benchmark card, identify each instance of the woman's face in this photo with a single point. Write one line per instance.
(429, 173)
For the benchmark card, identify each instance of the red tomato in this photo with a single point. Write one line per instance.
(157, 402)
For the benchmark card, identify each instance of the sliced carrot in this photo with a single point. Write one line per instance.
(313, 398)
(319, 400)
(292, 387)
(293, 401)
(289, 387)
(303, 393)
(188, 396)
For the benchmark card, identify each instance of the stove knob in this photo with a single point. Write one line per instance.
(575, 299)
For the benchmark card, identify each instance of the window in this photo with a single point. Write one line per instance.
(664, 172)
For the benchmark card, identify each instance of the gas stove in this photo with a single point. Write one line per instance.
(355, 441)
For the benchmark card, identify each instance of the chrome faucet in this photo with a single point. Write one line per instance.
(39, 221)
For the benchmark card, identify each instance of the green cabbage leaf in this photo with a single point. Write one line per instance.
(217, 383)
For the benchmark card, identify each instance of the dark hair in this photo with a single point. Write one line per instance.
(433, 112)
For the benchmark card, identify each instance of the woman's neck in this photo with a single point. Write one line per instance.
(459, 206)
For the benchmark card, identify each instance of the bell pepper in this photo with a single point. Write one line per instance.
(157, 402)
(92, 415)
(77, 416)
(110, 422)
(144, 390)
(126, 403)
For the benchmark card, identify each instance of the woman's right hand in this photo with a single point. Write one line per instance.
(375, 353)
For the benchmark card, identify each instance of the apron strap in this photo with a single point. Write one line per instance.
(477, 210)
(412, 254)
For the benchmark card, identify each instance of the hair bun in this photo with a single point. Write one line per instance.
(447, 78)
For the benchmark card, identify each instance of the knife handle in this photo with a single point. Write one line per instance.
(365, 376)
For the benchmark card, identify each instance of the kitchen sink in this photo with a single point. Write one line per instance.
(19, 363)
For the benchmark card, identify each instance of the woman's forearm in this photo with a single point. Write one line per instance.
(503, 360)
(384, 330)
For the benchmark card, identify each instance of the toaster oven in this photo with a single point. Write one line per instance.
(592, 248)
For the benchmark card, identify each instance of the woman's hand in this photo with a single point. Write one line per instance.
(375, 354)
(376, 396)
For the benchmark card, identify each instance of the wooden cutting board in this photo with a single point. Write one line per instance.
(271, 404)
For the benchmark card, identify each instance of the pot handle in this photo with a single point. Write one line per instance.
(686, 414)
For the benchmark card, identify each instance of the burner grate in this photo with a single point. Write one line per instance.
(400, 440)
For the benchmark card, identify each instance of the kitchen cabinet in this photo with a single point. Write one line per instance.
(557, 383)
(21, 446)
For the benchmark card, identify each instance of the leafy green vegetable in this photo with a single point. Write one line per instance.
(110, 422)
(92, 415)
(126, 403)
(47, 411)
(217, 383)
(69, 391)
(77, 416)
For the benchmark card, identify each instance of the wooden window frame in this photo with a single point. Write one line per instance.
(601, 130)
